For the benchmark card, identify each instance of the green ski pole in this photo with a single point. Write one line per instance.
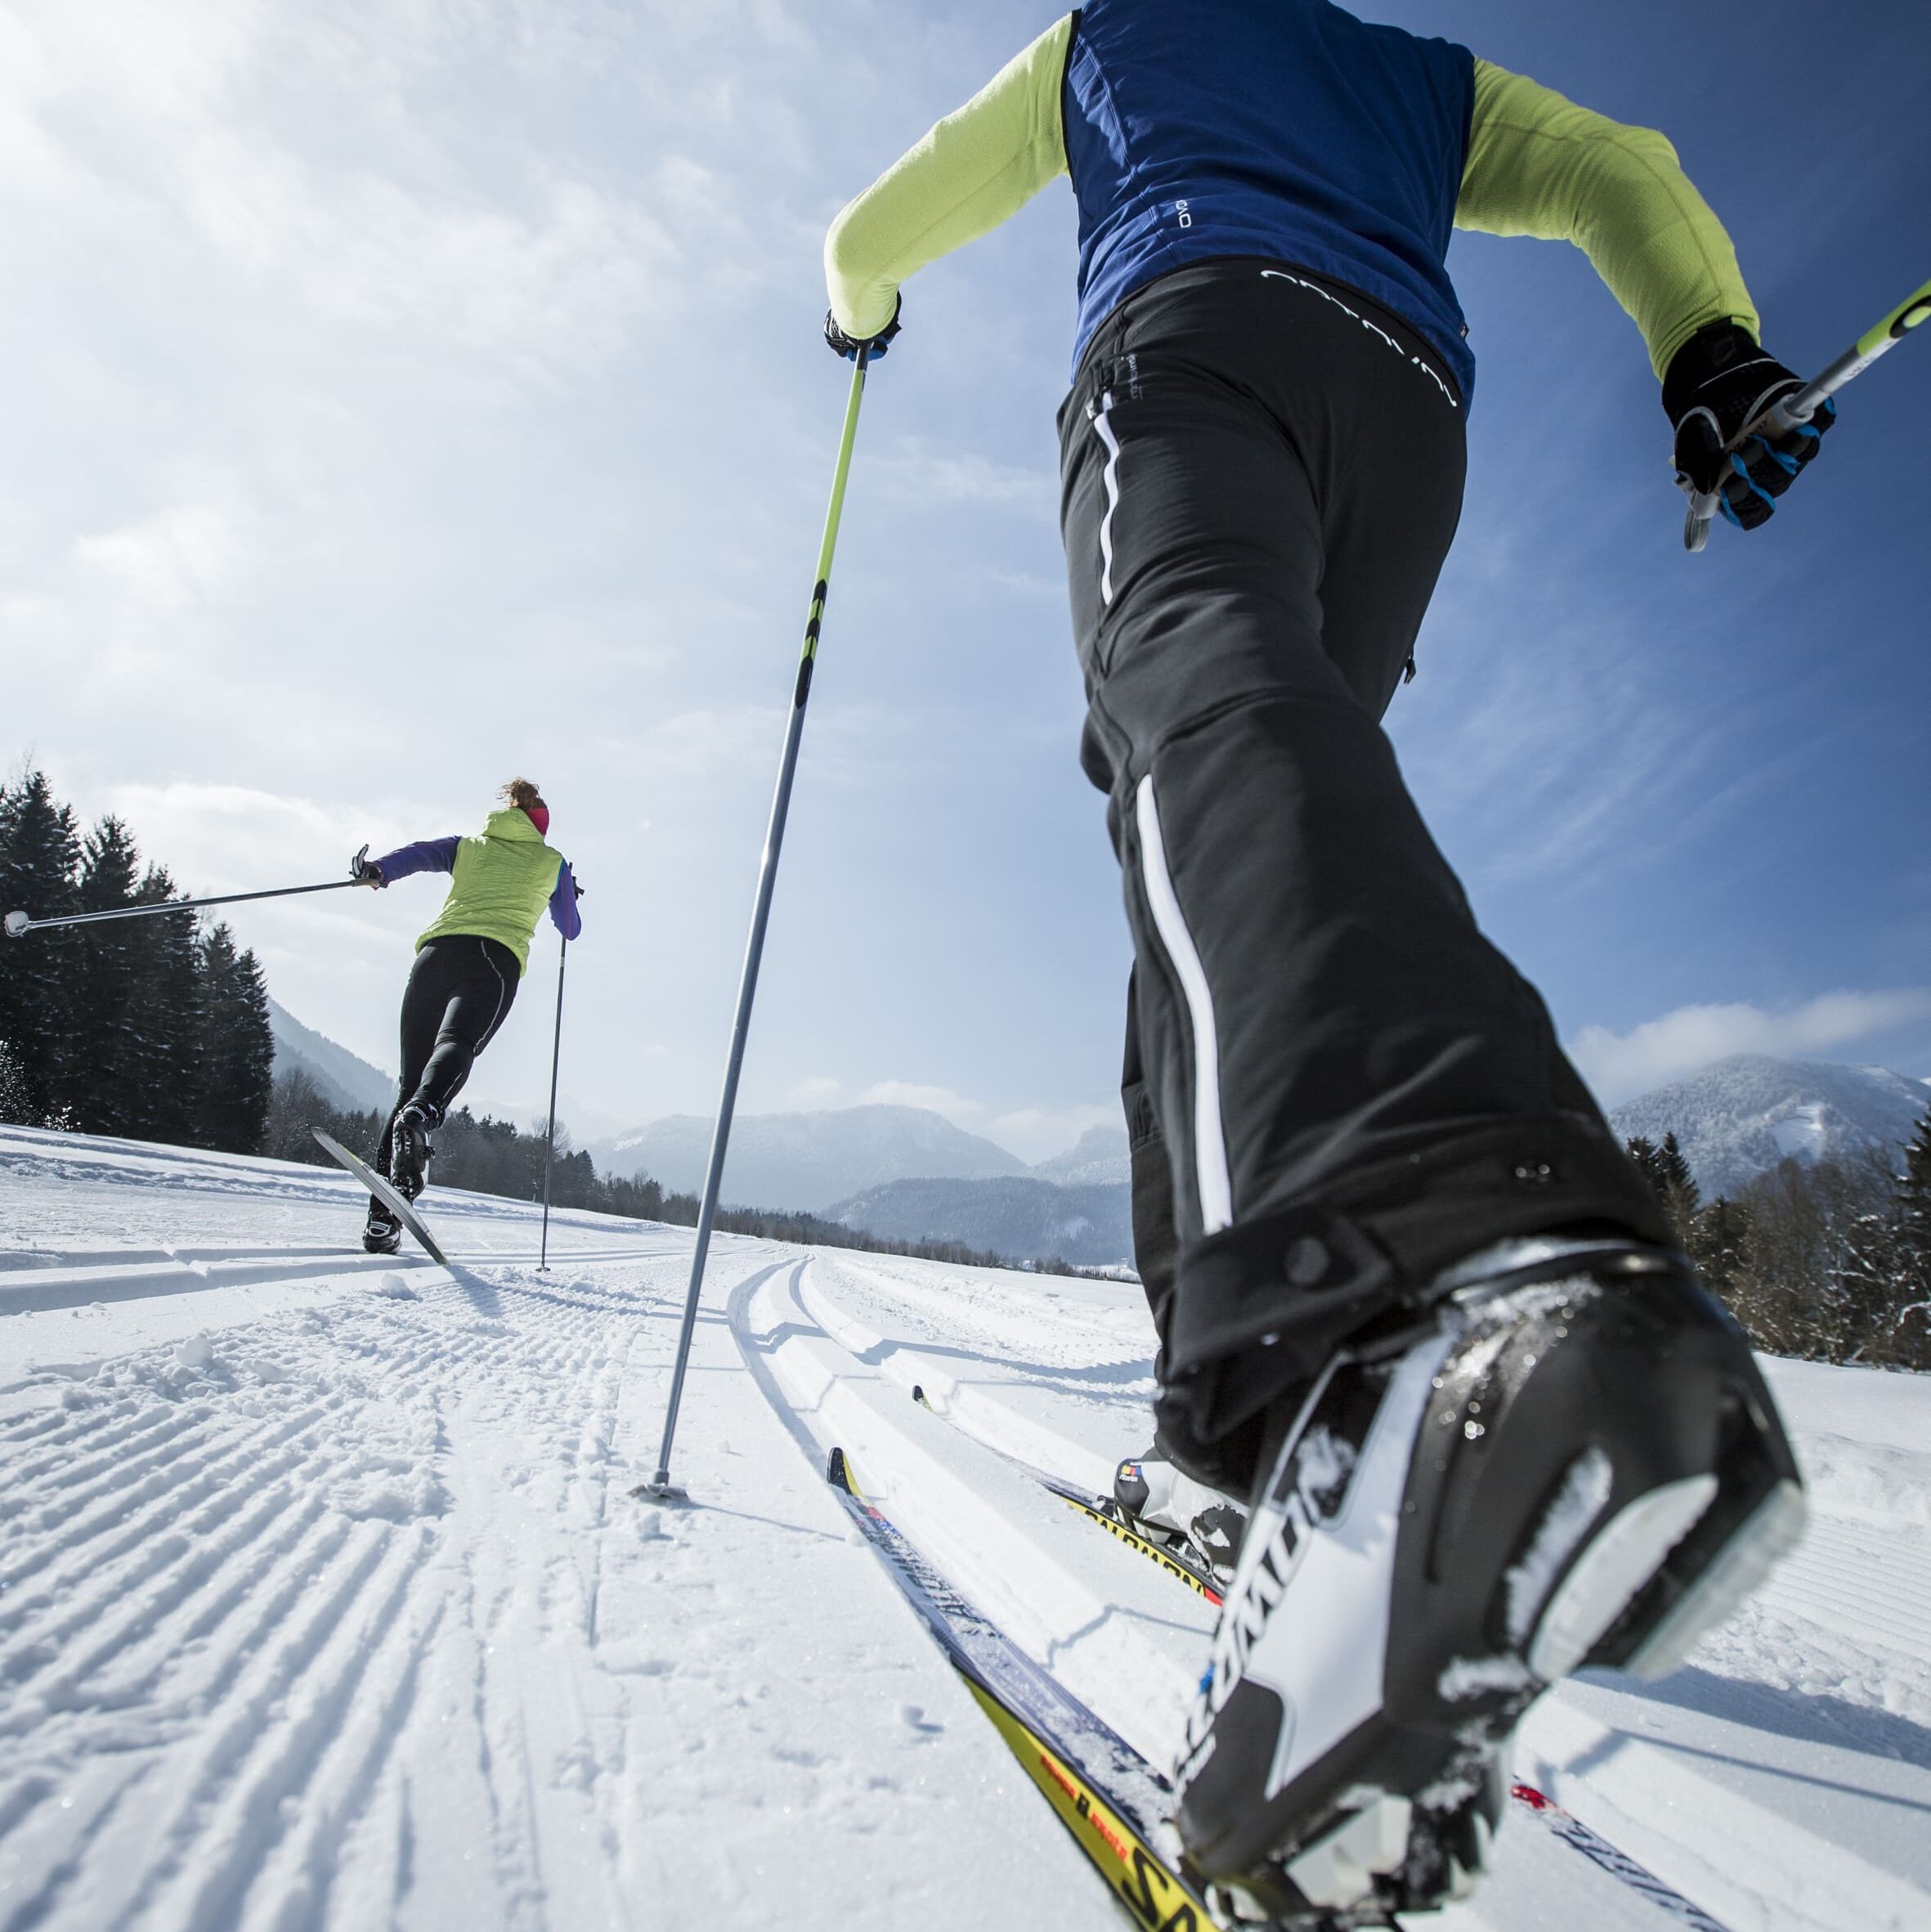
(660, 1486)
(1879, 340)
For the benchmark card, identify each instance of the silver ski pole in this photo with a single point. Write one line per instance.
(550, 1138)
(660, 1486)
(1784, 416)
(19, 924)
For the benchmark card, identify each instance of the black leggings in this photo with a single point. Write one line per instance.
(1335, 1085)
(460, 990)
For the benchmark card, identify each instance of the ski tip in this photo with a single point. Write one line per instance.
(918, 1395)
(838, 1473)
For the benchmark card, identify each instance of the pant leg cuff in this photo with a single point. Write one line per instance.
(1260, 1307)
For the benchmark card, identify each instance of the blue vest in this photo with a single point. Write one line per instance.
(1283, 129)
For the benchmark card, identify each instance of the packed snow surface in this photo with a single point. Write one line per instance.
(323, 1601)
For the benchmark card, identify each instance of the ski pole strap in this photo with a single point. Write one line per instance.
(19, 924)
(1781, 417)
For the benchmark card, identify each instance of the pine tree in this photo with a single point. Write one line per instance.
(1914, 1197)
(39, 855)
(236, 1073)
(139, 999)
(1681, 1194)
(1718, 1237)
(1670, 1181)
(1911, 1212)
(169, 1018)
(1642, 1150)
(106, 970)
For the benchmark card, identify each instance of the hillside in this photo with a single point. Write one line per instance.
(1099, 1158)
(345, 1080)
(1739, 1117)
(1018, 1216)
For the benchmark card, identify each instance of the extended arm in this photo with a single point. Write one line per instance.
(564, 915)
(1538, 164)
(973, 170)
(426, 855)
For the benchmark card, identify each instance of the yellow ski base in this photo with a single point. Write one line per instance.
(1140, 1879)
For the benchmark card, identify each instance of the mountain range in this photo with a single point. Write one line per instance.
(907, 1173)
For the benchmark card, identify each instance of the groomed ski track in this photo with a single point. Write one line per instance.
(323, 1601)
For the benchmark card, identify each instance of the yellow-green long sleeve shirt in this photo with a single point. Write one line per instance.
(1534, 164)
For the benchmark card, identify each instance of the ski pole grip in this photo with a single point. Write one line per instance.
(16, 926)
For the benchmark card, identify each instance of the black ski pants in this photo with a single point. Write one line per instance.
(460, 990)
(1334, 1085)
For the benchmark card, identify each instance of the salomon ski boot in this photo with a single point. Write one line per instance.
(1569, 1458)
(410, 1151)
(382, 1232)
(1171, 1507)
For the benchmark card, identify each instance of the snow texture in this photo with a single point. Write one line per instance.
(323, 1601)
(1576, 1505)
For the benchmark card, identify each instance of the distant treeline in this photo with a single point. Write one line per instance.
(492, 1156)
(1828, 1262)
(153, 1027)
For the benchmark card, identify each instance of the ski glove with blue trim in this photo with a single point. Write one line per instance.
(848, 346)
(1719, 383)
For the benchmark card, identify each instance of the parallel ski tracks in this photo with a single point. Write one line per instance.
(226, 1571)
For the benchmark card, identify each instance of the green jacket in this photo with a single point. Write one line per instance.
(503, 880)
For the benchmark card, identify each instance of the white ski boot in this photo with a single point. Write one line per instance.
(1171, 1507)
(1571, 1459)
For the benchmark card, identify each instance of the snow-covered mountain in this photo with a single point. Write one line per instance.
(345, 1080)
(1098, 1159)
(1019, 1216)
(807, 1160)
(1740, 1116)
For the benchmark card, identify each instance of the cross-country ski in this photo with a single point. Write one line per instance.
(384, 1193)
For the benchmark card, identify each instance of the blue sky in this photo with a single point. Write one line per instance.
(401, 398)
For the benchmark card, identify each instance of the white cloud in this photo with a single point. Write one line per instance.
(1618, 1065)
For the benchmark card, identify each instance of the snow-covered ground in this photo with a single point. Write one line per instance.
(324, 1601)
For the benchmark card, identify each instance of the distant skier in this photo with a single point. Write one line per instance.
(1415, 1305)
(467, 963)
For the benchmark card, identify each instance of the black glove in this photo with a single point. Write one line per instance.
(848, 346)
(365, 871)
(1719, 383)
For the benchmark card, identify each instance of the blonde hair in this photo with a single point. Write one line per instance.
(520, 795)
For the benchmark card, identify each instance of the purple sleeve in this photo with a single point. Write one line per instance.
(426, 855)
(563, 914)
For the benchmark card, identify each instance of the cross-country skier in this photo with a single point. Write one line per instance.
(1414, 1305)
(467, 962)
